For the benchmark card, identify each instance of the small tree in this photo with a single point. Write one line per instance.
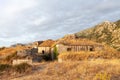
(55, 52)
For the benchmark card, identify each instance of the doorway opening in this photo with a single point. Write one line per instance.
(43, 52)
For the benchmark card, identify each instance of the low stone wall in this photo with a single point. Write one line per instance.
(19, 61)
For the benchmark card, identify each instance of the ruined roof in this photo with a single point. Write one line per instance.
(47, 43)
(75, 42)
(37, 43)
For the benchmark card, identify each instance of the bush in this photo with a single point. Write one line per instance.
(24, 67)
(46, 57)
(4, 67)
(55, 52)
(102, 76)
(21, 68)
(10, 57)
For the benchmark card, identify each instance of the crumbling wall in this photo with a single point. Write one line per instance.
(42, 50)
(19, 61)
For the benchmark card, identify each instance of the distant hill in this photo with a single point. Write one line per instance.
(106, 32)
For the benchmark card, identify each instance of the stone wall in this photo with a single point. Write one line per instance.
(42, 50)
(61, 48)
(99, 47)
(19, 61)
(27, 52)
(64, 48)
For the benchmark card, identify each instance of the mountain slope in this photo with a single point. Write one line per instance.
(106, 32)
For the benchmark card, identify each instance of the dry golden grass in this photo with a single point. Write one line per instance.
(77, 70)
(7, 51)
(47, 43)
(8, 54)
(77, 56)
(12, 50)
(80, 41)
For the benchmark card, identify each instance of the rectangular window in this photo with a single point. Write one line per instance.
(69, 49)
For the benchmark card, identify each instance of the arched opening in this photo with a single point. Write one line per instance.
(43, 52)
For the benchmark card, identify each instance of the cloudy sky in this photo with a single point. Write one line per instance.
(23, 21)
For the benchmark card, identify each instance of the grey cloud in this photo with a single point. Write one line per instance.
(53, 19)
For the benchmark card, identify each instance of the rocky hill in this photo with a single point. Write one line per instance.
(106, 32)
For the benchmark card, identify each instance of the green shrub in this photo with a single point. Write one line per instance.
(24, 67)
(55, 52)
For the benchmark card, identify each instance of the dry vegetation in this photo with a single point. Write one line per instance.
(47, 43)
(8, 54)
(106, 32)
(96, 65)
(10, 50)
(7, 51)
(7, 71)
(77, 70)
(80, 41)
(75, 56)
(102, 65)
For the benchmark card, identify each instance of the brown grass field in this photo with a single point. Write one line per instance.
(72, 70)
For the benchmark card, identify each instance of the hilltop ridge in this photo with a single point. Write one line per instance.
(106, 32)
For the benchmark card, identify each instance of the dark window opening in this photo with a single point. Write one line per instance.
(91, 49)
(43, 52)
(68, 49)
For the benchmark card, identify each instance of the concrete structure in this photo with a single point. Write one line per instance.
(27, 52)
(69, 45)
(77, 45)
(45, 47)
(20, 61)
(44, 50)
(77, 48)
(37, 43)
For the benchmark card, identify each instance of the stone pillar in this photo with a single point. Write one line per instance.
(52, 54)
(79, 48)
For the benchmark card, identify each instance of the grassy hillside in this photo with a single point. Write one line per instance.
(106, 32)
(73, 70)
(10, 50)
(9, 53)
